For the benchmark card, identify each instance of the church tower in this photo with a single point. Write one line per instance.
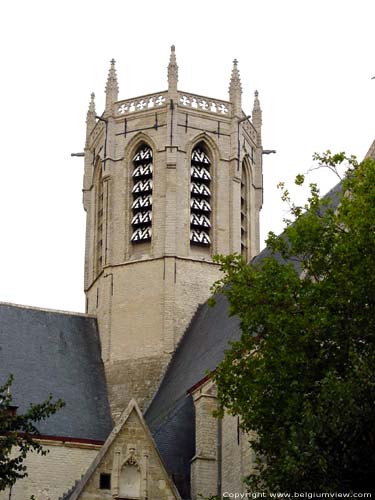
(171, 179)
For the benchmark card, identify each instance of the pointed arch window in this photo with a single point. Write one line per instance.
(200, 197)
(99, 218)
(142, 195)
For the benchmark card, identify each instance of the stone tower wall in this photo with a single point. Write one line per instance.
(145, 294)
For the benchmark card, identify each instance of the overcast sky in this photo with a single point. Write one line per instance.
(312, 62)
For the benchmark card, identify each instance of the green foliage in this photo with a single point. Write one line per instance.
(302, 375)
(18, 433)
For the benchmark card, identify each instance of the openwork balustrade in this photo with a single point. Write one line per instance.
(185, 100)
(202, 103)
(143, 103)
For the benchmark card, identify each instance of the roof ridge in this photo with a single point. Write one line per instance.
(46, 309)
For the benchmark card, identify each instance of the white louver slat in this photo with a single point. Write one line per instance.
(142, 192)
(200, 197)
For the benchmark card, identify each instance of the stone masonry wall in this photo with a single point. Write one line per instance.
(231, 456)
(144, 307)
(238, 459)
(204, 466)
(133, 378)
(146, 294)
(132, 445)
(50, 476)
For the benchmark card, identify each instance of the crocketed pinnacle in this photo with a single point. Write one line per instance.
(257, 112)
(91, 105)
(111, 88)
(172, 71)
(235, 89)
(91, 115)
(256, 106)
(235, 80)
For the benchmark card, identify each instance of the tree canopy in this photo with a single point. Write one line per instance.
(18, 434)
(302, 376)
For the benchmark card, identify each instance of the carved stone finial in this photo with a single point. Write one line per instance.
(111, 88)
(235, 80)
(257, 112)
(256, 101)
(92, 103)
(172, 71)
(91, 116)
(235, 89)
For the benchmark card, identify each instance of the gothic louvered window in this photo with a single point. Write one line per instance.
(200, 198)
(99, 219)
(142, 195)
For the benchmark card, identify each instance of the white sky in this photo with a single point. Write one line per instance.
(312, 62)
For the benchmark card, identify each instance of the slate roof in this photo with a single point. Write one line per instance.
(170, 415)
(57, 353)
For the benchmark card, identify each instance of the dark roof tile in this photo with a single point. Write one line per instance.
(57, 353)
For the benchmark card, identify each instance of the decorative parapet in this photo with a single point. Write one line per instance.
(185, 100)
(201, 103)
(143, 103)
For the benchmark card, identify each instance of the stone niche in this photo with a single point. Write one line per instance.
(130, 478)
(129, 481)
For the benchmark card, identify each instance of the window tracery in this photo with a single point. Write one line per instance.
(142, 195)
(200, 197)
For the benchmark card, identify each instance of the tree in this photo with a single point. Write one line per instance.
(302, 376)
(18, 434)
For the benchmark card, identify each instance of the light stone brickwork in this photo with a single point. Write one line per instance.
(145, 294)
(50, 476)
(205, 464)
(223, 455)
(139, 377)
(231, 455)
(238, 459)
(130, 458)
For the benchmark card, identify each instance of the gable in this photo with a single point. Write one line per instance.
(128, 465)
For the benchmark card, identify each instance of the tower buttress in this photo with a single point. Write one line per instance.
(257, 179)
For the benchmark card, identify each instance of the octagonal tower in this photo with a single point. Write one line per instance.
(171, 179)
